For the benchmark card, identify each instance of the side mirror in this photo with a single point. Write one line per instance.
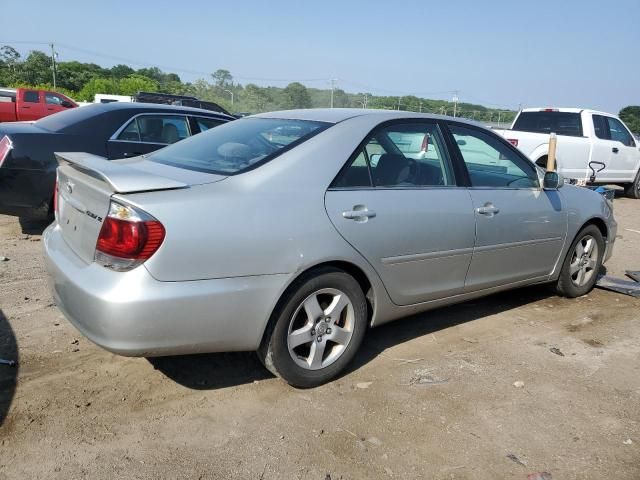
(66, 104)
(552, 181)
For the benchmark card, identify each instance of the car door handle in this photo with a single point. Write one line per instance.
(488, 209)
(615, 150)
(360, 213)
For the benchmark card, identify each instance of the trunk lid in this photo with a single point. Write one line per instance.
(87, 182)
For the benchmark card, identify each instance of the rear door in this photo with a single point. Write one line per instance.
(145, 133)
(520, 228)
(30, 105)
(397, 203)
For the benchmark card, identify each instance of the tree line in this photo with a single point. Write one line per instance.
(81, 81)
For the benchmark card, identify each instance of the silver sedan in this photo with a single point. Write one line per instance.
(290, 233)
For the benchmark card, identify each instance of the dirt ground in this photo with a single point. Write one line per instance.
(431, 396)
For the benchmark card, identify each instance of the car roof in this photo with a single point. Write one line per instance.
(336, 115)
(111, 106)
(567, 110)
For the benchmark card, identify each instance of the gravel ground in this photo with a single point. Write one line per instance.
(502, 387)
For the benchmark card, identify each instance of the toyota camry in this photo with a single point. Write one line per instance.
(291, 233)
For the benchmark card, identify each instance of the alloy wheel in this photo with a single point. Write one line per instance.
(584, 261)
(320, 329)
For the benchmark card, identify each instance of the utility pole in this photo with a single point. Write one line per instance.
(455, 103)
(398, 103)
(230, 93)
(53, 64)
(420, 107)
(333, 86)
(499, 115)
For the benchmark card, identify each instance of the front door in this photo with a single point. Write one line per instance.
(520, 228)
(397, 204)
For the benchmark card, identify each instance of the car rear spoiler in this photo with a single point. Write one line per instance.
(121, 177)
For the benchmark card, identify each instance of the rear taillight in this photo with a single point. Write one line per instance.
(127, 238)
(513, 141)
(5, 147)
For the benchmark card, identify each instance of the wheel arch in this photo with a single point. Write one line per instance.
(600, 223)
(348, 267)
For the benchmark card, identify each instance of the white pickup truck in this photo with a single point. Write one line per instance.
(584, 137)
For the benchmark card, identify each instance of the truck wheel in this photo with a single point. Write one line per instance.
(582, 263)
(632, 190)
(317, 329)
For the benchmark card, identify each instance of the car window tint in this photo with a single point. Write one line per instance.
(31, 97)
(619, 133)
(52, 99)
(164, 129)
(130, 133)
(562, 123)
(400, 155)
(238, 146)
(600, 127)
(491, 162)
(205, 124)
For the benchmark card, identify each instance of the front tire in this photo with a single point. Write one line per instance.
(632, 190)
(583, 261)
(317, 329)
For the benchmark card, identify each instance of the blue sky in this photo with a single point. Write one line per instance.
(497, 53)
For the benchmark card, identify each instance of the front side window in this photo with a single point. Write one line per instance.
(492, 163)
(619, 133)
(238, 146)
(400, 155)
(52, 99)
(31, 97)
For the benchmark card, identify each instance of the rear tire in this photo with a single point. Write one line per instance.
(582, 264)
(632, 190)
(317, 328)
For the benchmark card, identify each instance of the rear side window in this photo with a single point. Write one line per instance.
(238, 146)
(31, 97)
(205, 124)
(600, 127)
(163, 129)
(52, 99)
(562, 123)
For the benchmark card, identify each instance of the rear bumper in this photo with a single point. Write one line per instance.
(26, 193)
(133, 314)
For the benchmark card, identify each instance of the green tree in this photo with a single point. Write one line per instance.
(295, 95)
(35, 69)
(631, 116)
(98, 85)
(137, 83)
(121, 71)
(74, 75)
(222, 79)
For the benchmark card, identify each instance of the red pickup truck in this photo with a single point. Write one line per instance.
(25, 105)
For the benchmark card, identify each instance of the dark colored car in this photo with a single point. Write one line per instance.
(111, 130)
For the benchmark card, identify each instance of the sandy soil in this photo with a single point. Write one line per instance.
(429, 397)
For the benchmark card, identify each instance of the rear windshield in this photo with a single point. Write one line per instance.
(238, 146)
(562, 123)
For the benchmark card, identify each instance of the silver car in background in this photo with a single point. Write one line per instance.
(290, 233)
